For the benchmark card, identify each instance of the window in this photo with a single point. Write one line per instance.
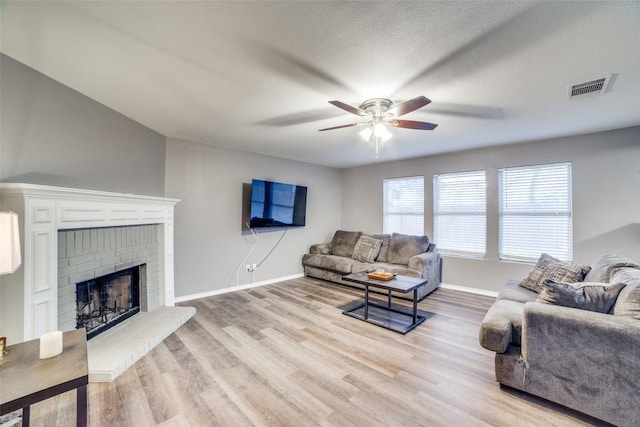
(535, 212)
(460, 213)
(403, 205)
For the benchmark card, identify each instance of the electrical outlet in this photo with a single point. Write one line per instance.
(248, 268)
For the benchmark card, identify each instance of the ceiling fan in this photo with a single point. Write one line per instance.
(380, 112)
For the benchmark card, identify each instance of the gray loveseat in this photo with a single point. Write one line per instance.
(586, 360)
(353, 252)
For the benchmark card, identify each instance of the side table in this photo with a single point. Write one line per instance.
(26, 379)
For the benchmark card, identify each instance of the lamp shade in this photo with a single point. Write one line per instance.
(9, 243)
(366, 133)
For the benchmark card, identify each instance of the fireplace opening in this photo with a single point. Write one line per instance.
(105, 301)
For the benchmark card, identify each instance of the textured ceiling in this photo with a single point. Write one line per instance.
(256, 76)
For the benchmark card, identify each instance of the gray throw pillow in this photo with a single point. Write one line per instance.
(384, 249)
(628, 303)
(366, 249)
(589, 296)
(403, 246)
(552, 268)
(344, 242)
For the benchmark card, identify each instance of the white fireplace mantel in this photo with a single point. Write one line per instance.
(28, 298)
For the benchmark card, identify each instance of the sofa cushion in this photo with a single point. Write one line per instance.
(628, 303)
(602, 268)
(589, 296)
(366, 249)
(513, 292)
(403, 246)
(344, 242)
(390, 268)
(552, 268)
(502, 326)
(397, 268)
(335, 263)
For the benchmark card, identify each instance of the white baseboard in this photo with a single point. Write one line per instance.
(236, 288)
(297, 276)
(470, 290)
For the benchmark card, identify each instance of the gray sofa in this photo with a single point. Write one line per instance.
(353, 252)
(586, 360)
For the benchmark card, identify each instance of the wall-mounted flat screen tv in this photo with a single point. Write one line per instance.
(274, 204)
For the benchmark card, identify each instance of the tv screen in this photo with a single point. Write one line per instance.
(274, 204)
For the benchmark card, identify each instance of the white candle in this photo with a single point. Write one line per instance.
(50, 344)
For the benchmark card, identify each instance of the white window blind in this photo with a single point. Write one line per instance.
(403, 205)
(535, 212)
(460, 213)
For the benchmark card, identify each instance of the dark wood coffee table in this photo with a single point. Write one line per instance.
(26, 379)
(387, 316)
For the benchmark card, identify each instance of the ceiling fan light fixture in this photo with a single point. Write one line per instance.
(381, 131)
(366, 133)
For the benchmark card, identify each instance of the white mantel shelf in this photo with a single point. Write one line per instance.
(29, 296)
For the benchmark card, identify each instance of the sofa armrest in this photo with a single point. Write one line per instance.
(554, 326)
(581, 359)
(320, 249)
(430, 263)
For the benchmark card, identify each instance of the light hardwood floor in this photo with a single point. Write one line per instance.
(284, 355)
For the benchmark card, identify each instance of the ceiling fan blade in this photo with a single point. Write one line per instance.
(409, 106)
(351, 109)
(412, 124)
(340, 127)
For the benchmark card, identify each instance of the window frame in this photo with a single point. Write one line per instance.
(386, 212)
(556, 212)
(478, 251)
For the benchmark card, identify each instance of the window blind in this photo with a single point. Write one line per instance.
(403, 205)
(535, 212)
(460, 213)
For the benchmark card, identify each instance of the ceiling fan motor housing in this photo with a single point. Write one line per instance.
(376, 107)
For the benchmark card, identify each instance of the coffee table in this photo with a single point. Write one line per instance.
(386, 315)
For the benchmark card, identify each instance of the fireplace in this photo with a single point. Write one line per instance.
(73, 235)
(107, 300)
(91, 256)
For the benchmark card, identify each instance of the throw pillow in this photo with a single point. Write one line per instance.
(628, 303)
(549, 267)
(384, 249)
(344, 242)
(366, 249)
(402, 247)
(589, 296)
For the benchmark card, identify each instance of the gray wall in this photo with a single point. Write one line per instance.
(209, 239)
(53, 135)
(606, 198)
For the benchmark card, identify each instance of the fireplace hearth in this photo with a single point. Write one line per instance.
(105, 301)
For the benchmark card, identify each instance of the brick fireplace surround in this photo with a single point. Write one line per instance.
(72, 235)
(89, 253)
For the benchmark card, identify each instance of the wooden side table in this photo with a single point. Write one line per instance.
(26, 379)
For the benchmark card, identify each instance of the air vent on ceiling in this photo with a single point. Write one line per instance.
(590, 88)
